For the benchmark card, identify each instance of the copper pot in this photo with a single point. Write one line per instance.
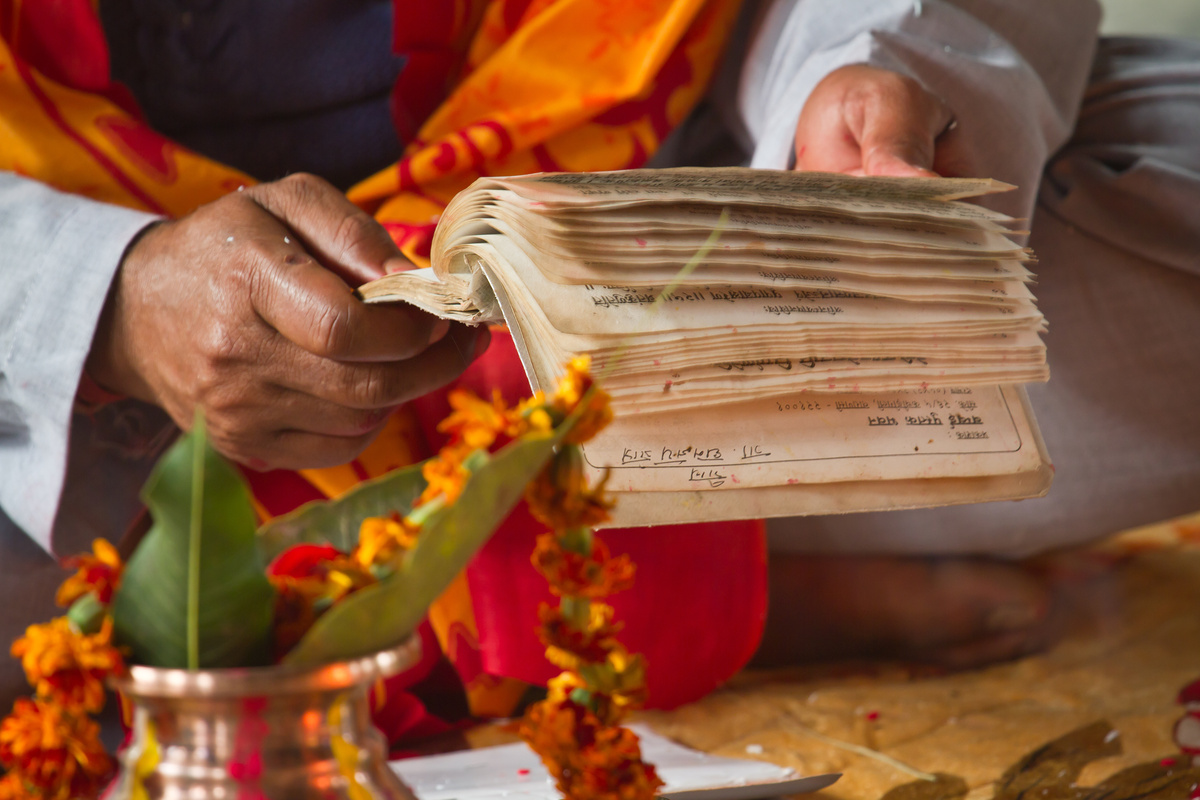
(257, 733)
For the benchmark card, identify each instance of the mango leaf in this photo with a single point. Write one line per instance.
(384, 614)
(337, 522)
(1051, 771)
(194, 593)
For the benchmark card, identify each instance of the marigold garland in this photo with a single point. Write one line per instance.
(576, 730)
(50, 745)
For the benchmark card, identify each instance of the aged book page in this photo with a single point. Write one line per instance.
(840, 344)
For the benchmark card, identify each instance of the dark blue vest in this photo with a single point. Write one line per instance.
(268, 86)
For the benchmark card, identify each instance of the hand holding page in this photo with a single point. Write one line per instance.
(847, 344)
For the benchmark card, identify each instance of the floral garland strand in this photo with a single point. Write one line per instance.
(577, 729)
(50, 745)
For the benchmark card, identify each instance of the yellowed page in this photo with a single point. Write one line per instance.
(821, 438)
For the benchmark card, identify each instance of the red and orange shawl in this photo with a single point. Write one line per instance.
(497, 87)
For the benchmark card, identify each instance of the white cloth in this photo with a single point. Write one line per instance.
(1011, 71)
(58, 255)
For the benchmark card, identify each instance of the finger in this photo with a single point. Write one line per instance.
(385, 385)
(343, 237)
(313, 308)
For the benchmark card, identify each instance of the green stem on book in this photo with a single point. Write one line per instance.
(687, 269)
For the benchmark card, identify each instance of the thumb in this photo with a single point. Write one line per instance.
(900, 130)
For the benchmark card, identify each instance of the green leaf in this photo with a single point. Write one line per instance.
(87, 613)
(337, 522)
(204, 528)
(384, 614)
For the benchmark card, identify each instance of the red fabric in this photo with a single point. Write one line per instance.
(432, 37)
(402, 716)
(280, 491)
(699, 600)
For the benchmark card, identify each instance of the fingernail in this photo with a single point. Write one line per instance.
(1013, 616)
(439, 330)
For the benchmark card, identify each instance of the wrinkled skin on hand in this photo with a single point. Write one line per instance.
(863, 120)
(244, 308)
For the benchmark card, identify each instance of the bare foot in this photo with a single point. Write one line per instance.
(955, 612)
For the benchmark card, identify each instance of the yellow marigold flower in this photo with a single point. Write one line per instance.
(381, 538)
(60, 661)
(55, 752)
(99, 572)
(560, 497)
(559, 688)
(531, 414)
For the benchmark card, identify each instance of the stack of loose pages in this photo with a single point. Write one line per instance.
(774, 342)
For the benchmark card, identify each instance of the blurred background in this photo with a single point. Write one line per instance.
(1179, 18)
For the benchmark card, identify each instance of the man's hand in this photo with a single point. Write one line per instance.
(863, 120)
(243, 308)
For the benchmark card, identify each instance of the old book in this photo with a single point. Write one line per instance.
(775, 343)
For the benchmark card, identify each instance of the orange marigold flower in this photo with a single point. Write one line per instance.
(98, 571)
(613, 768)
(588, 759)
(592, 576)
(381, 538)
(560, 498)
(445, 475)
(574, 383)
(308, 579)
(55, 752)
(62, 662)
(12, 787)
(566, 646)
(596, 414)
(475, 422)
(576, 386)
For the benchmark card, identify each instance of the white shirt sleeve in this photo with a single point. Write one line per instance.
(58, 256)
(1011, 71)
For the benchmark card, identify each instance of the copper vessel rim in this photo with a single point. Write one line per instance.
(143, 681)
